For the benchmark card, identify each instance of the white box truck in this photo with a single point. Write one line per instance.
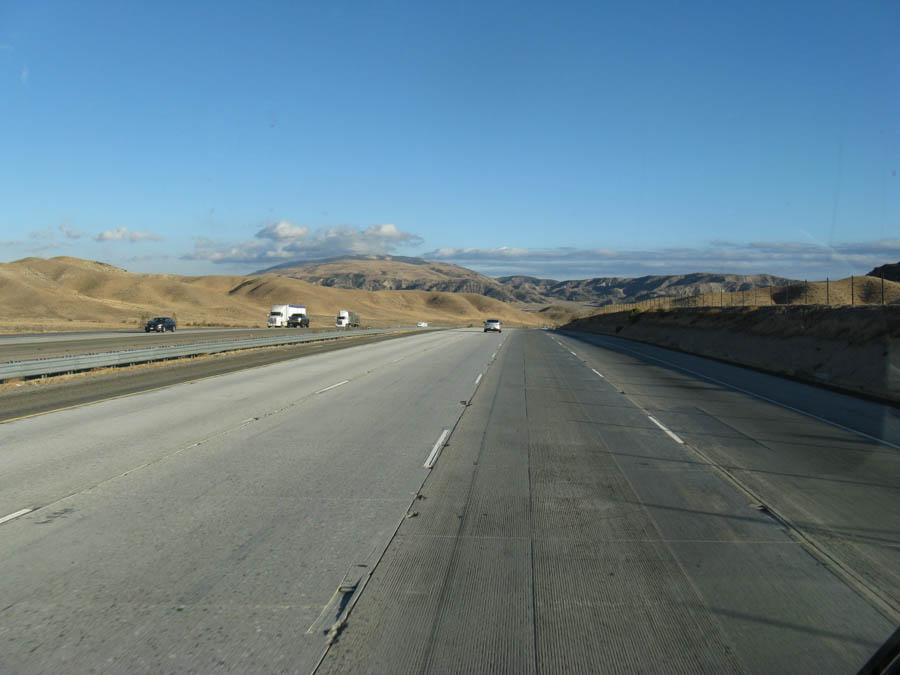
(279, 315)
(347, 319)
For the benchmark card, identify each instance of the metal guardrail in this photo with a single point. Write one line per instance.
(69, 364)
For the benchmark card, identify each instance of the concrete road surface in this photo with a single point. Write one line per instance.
(598, 512)
(205, 527)
(588, 510)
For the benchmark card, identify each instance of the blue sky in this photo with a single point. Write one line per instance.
(564, 140)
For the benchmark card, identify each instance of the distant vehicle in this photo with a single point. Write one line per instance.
(422, 324)
(492, 324)
(279, 315)
(298, 321)
(347, 319)
(160, 324)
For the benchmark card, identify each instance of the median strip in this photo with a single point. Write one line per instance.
(83, 362)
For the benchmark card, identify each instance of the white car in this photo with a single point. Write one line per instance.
(492, 324)
(422, 324)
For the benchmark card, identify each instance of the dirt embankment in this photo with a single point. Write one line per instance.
(855, 349)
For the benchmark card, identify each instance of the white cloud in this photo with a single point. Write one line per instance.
(282, 242)
(69, 233)
(124, 234)
(282, 231)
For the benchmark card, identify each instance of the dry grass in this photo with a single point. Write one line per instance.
(838, 293)
(70, 294)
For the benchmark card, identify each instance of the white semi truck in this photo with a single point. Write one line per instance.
(280, 314)
(347, 319)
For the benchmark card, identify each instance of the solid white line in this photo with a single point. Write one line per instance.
(432, 458)
(478, 379)
(596, 373)
(15, 515)
(660, 425)
(761, 397)
(332, 386)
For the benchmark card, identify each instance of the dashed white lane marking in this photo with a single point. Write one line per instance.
(432, 458)
(494, 355)
(15, 515)
(596, 373)
(332, 386)
(478, 379)
(761, 397)
(661, 426)
(572, 353)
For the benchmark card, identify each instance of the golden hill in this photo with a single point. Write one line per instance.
(72, 294)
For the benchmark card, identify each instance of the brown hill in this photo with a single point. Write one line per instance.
(607, 290)
(392, 273)
(850, 291)
(70, 293)
(372, 272)
(890, 272)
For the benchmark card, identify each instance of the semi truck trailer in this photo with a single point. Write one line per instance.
(280, 314)
(347, 319)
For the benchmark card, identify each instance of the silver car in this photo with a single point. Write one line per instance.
(492, 324)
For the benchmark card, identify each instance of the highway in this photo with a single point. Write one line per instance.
(22, 347)
(451, 502)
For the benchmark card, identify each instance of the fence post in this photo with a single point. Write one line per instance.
(882, 287)
(852, 302)
(827, 292)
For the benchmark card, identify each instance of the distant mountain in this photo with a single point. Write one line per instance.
(380, 273)
(607, 290)
(392, 273)
(891, 272)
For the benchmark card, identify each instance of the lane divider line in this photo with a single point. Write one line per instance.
(572, 353)
(661, 426)
(494, 356)
(761, 397)
(11, 516)
(435, 451)
(596, 373)
(332, 386)
(478, 379)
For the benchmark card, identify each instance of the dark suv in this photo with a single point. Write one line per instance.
(298, 321)
(160, 324)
